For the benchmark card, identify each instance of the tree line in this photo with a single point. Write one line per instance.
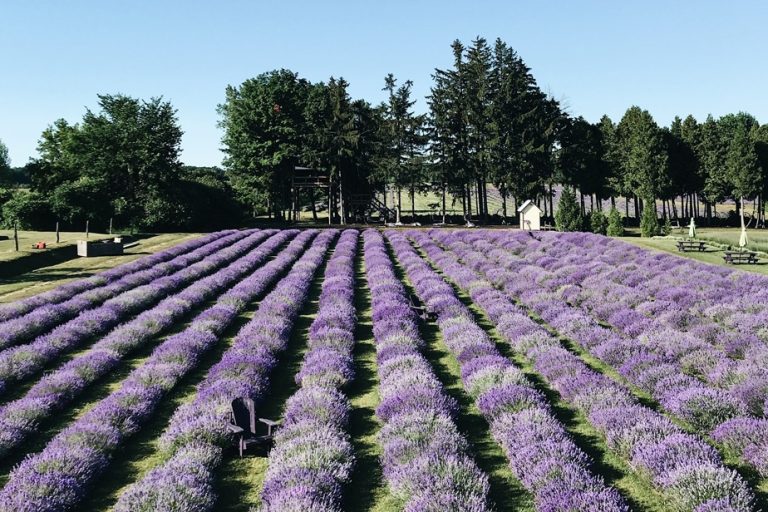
(487, 124)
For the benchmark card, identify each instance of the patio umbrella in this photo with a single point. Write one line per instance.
(743, 241)
(692, 229)
(743, 238)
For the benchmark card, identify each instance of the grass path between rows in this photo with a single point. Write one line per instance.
(639, 493)
(506, 491)
(89, 398)
(46, 278)
(240, 480)
(367, 489)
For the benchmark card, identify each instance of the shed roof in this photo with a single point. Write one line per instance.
(527, 206)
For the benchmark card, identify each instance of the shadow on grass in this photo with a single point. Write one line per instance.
(140, 453)
(239, 480)
(506, 491)
(92, 395)
(366, 486)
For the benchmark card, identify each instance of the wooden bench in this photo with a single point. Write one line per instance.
(689, 245)
(547, 227)
(737, 257)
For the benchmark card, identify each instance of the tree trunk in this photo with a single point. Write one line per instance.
(312, 204)
(551, 201)
(626, 207)
(477, 204)
(469, 201)
(613, 202)
(638, 206)
(413, 202)
(504, 206)
(443, 203)
(663, 208)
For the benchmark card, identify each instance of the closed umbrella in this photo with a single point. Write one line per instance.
(743, 241)
(743, 238)
(692, 229)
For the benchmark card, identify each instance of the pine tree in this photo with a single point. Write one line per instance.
(615, 225)
(649, 222)
(568, 216)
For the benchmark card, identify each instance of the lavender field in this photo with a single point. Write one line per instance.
(411, 370)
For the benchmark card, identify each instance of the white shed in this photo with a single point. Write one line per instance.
(530, 216)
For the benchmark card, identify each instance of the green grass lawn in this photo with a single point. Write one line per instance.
(712, 254)
(27, 238)
(42, 279)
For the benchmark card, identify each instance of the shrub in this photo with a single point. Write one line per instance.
(649, 222)
(615, 225)
(598, 222)
(666, 229)
(568, 216)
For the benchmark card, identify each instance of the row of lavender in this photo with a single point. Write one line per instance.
(540, 452)
(22, 417)
(312, 459)
(21, 362)
(425, 459)
(58, 477)
(734, 360)
(66, 291)
(652, 351)
(687, 470)
(197, 432)
(721, 340)
(39, 320)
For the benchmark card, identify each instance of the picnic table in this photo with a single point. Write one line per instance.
(690, 245)
(736, 257)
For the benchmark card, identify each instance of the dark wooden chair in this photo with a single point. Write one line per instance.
(419, 307)
(242, 423)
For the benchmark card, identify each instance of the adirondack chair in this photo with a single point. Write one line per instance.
(242, 423)
(419, 308)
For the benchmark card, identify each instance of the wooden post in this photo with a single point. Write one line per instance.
(110, 225)
(87, 226)
(57, 231)
(16, 234)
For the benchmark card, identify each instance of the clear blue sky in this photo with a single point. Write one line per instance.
(683, 57)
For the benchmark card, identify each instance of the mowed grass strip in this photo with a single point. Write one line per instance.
(89, 398)
(506, 491)
(638, 491)
(142, 453)
(367, 489)
(240, 480)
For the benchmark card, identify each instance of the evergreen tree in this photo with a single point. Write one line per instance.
(598, 222)
(649, 222)
(568, 216)
(643, 154)
(615, 225)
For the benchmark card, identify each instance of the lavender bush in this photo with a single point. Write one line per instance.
(77, 455)
(197, 432)
(540, 452)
